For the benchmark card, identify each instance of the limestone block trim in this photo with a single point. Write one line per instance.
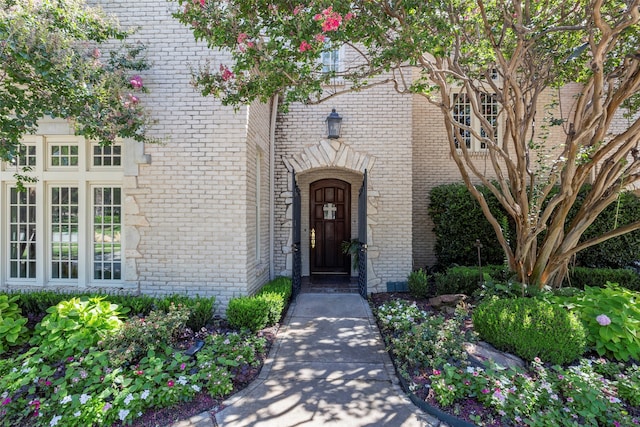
(134, 219)
(334, 154)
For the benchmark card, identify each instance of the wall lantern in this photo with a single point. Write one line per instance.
(334, 122)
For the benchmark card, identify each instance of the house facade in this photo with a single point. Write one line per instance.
(212, 209)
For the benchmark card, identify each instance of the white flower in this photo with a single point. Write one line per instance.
(196, 387)
(65, 399)
(128, 399)
(84, 398)
(182, 380)
(76, 414)
(122, 414)
(54, 420)
(144, 395)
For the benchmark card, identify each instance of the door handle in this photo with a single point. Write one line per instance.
(313, 238)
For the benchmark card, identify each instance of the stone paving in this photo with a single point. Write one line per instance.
(328, 367)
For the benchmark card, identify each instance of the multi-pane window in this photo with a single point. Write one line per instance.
(463, 114)
(64, 232)
(107, 226)
(27, 156)
(22, 233)
(64, 154)
(331, 61)
(107, 156)
(66, 227)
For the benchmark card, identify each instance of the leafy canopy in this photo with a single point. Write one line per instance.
(52, 64)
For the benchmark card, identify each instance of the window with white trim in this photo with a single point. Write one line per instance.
(471, 124)
(332, 60)
(66, 227)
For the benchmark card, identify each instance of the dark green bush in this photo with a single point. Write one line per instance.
(579, 277)
(620, 251)
(138, 305)
(459, 222)
(248, 312)
(467, 280)
(418, 283)
(531, 327)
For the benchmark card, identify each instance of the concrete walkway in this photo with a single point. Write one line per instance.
(328, 367)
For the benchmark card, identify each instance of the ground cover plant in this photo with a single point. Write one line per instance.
(596, 389)
(89, 362)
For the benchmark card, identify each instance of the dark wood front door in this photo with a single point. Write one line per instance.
(329, 225)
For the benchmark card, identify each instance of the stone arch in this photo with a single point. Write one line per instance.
(336, 154)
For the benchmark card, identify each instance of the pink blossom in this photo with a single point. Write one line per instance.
(170, 383)
(317, 17)
(349, 16)
(6, 401)
(436, 372)
(226, 73)
(202, 2)
(242, 37)
(250, 44)
(297, 9)
(304, 46)
(320, 38)
(332, 23)
(603, 320)
(327, 11)
(136, 82)
(182, 366)
(485, 391)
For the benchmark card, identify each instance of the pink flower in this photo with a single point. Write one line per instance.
(6, 401)
(136, 82)
(170, 383)
(332, 23)
(317, 17)
(327, 11)
(297, 9)
(603, 320)
(304, 46)
(182, 366)
(349, 16)
(226, 73)
(202, 2)
(320, 38)
(485, 391)
(106, 407)
(242, 37)
(436, 372)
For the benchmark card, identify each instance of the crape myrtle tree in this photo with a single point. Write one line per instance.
(512, 51)
(53, 63)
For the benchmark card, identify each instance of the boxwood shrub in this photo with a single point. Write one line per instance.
(581, 277)
(248, 312)
(530, 328)
(467, 280)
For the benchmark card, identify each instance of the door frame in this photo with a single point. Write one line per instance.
(325, 182)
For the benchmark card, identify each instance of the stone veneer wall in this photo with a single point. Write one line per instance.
(186, 211)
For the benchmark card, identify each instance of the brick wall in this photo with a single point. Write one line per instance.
(192, 200)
